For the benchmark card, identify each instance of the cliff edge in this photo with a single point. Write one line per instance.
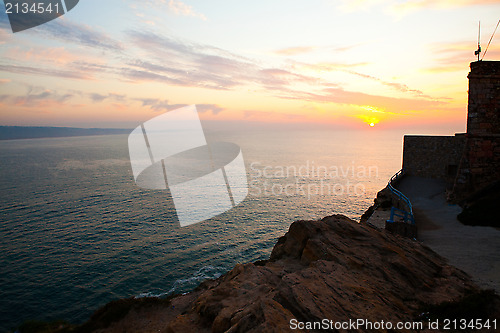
(335, 269)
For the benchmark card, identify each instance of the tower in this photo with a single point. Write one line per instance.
(480, 163)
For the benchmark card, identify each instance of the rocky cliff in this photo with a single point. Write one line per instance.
(333, 269)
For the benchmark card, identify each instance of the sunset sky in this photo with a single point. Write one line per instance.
(117, 63)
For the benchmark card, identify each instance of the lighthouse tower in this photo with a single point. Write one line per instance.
(480, 163)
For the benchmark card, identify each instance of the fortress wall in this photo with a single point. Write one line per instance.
(484, 98)
(480, 165)
(433, 156)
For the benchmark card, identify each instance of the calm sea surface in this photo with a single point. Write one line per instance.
(76, 232)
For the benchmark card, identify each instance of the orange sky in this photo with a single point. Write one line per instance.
(329, 63)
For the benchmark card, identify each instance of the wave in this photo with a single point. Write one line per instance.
(185, 285)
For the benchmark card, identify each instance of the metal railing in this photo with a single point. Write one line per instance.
(404, 208)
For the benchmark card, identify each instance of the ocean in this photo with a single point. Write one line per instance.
(77, 232)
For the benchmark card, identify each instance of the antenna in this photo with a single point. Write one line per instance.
(478, 51)
(490, 41)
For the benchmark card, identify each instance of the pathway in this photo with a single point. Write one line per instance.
(475, 250)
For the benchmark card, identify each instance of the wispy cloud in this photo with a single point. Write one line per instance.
(69, 31)
(290, 51)
(329, 66)
(188, 64)
(96, 98)
(347, 68)
(403, 7)
(36, 98)
(63, 73)
(212, 108)
(296, 50)
(390, 104)
(178, 62)
(205, 66)
(409, 6)
(58, 55)
(156, 104)
(174, 6)
(180, 8)
(452, 57)
(395, 85)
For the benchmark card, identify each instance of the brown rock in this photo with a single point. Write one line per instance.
(334, 268)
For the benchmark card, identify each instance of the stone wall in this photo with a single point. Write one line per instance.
(480, 165)
(433, 156)
(484, 98)
(479, 168)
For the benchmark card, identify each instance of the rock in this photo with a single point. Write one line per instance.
(334, 268)
(402, 228)
(482, 208)
(367, 214)
(384, 198)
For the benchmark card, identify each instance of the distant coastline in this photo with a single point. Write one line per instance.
(39, 132)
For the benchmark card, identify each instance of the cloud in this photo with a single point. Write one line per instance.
(204, 66)
(326, 67)
(290, 51)
(404, 7)
(117, 97)
(329, 66)
(395, 85)
(389, 104)
(5, 35)
(68, 31)
(213, 108)
(36, 98)
(96, 98)
(156, 104)
(188, 64)
(279, 79)
(180, 8)
(68, 74)
(453, 56)
(355, 5)
(296, 50)
(409, 6)
(58, 55)
(177, 62)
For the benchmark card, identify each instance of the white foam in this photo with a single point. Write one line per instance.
(203, 274)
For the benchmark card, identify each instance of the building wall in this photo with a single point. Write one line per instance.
(469, 162)
(433, 156)
(484, 98)
(480, 165)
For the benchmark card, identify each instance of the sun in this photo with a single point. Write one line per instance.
(369, 119)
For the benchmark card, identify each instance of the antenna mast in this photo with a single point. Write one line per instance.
(478, 51)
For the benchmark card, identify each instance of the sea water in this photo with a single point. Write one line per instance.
(76, 231)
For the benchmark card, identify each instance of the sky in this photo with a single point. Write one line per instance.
(370, 64)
